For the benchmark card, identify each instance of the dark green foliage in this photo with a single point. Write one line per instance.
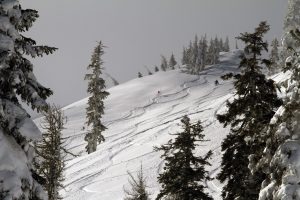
(184, 173)
(95, 108)
(138, 187)
(248, 115)
(51, 151)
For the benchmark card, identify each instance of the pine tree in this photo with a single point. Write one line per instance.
(95, 109)
(18, 179)
(221, 45)
(217, 50)
(185, 58)
(226, 45)
(248, 114)
(184, 173)
(195, 55)
(140, 75)
(203, 53)
(138, 189)
(211, 53)
(52, 153)
(281, 155)
(164, 63)
(172, 62)
(274, 57)
(156, 69)
(236, 45)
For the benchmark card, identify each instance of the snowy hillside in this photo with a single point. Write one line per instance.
(138, 118)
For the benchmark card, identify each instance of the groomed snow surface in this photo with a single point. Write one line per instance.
(139, 118)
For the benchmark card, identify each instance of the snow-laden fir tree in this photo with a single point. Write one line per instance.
(156, 69)
(203, 54)
(281, 155)
(51, 151)
(274, 57)
(164, 63)
(18, 179)
(211, 52)
(184, 173)
(138, 190)
(248, 114)
(172, 62)
(236, 44)
(226, 47)
(95, 108)
(185, 58)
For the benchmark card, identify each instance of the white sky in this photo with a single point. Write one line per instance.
(136, 32)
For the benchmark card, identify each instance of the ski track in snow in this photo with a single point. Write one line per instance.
(130, 137)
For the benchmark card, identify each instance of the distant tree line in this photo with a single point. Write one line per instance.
(199, 53)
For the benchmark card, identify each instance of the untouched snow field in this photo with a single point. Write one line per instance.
(138, 118)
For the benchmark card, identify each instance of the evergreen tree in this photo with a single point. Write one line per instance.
(185, 58)
(248, 114)
(221, 45)
(95, 109)
(204, 47)
(236, 45)
(226, 45)
(164, 63)
(189, 55)
(217, 50)
(184, 173)
(51, 151)
(274, 57)
(172, 62)
(281, 155)
(140, 75)
(211, 53)
(156, 69)
(195, 55)
(18, 179)
(138, 187)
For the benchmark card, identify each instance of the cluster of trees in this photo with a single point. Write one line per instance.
(164, 66)
(199, 53)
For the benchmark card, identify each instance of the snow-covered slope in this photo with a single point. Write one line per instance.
(138, 118)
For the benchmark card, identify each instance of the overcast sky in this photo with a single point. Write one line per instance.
(136, 33)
